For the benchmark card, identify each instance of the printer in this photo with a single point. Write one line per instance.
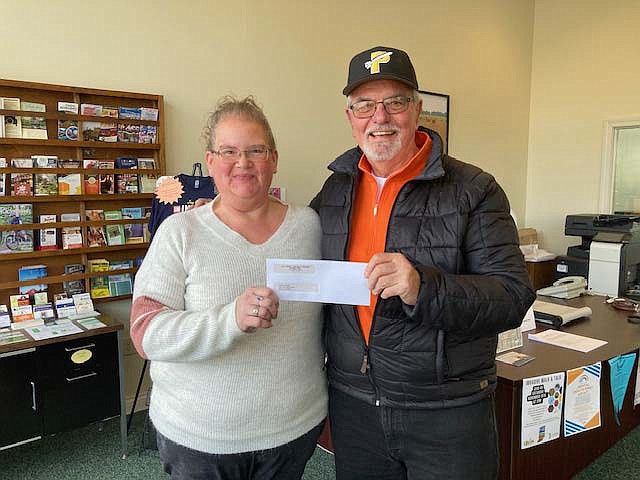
(608, 255)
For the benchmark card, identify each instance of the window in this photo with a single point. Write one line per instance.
(620, 183)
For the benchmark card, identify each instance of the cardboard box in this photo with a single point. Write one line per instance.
(527, 236)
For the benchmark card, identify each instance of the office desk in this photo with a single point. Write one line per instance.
(58, 384)
(564, 457)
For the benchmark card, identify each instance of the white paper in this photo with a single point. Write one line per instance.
(57, 329)
(529, 321)
(323, 281)
(567, 340)
(542, 399)
(582, 399)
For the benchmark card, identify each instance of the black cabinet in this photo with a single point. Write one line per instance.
(20, 419)
(78, 382)
(58, 386)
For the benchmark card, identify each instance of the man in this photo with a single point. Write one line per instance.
(412, 376)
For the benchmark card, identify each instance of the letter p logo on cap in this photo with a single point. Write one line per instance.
(376, 59)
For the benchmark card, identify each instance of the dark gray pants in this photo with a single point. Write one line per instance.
(285, 462)
(383, 443)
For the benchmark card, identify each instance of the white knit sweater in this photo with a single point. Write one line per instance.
(215, 388)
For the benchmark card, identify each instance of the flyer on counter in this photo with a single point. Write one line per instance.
(542, 399)
(55, 329)
(582, 399)
(567, 340)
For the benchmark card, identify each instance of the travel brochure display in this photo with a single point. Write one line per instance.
(49, 178)
(28, 184)
(24, 125)
(41, 319)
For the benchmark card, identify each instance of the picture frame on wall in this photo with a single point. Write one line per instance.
(435, 115)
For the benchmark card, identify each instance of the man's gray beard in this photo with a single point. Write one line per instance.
(386, 153)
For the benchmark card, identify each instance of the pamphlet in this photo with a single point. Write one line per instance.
(517, 359)
(90, 323)
(5, 319)
(65, 307)
(83, 303)
(12, 336)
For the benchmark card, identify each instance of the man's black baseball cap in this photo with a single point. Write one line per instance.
(379, 63)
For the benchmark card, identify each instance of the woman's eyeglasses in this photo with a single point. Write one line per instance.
(259, 153)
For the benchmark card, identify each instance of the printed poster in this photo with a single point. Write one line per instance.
(582, 399)
(620, 372)
(542, 399)
(636, 397)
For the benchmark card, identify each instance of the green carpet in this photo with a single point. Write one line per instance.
(93, 454)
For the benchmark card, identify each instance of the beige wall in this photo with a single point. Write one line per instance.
(585, 70)
(293, 55)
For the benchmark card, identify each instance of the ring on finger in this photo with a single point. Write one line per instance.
(255, 310)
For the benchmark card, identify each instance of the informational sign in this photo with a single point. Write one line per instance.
(582, 399)
(636, 397)
(620, 373)
(542, 399)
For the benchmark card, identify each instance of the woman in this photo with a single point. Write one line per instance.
(239, 390)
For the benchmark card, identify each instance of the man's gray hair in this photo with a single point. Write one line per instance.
(245, 109)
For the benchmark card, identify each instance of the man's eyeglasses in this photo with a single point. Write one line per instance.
(259, 153)
(392, 105)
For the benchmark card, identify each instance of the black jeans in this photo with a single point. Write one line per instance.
(383, 443)
(285, 462)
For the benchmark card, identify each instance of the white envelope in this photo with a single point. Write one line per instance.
(323, 281)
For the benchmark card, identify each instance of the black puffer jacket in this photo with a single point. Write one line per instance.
(453, 223)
